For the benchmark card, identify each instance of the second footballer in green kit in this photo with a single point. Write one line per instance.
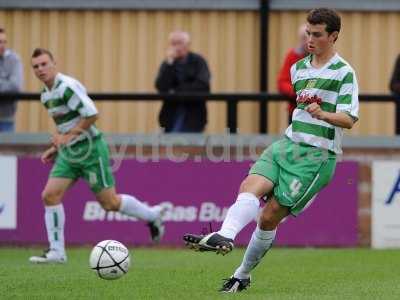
(292, 170)
(79, 151)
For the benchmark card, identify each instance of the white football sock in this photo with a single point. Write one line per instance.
(133, 207)
(261, 241)
(54, 218)
(241, 213)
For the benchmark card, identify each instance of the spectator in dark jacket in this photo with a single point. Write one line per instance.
(183, 72)
(11, 79)
(395, 81)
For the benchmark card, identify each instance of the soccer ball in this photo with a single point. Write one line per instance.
(109, 259)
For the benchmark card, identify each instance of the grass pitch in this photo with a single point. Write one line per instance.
(183, 274)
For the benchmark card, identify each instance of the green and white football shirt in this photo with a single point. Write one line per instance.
(333, 86)
(67, 103)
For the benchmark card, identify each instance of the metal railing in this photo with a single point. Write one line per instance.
(231, 99)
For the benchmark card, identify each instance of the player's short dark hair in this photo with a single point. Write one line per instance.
(40, 51)
(325, 16)
(2, 30)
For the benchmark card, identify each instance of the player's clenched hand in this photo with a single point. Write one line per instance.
(49, 155)
(59, 140)
(315, 111)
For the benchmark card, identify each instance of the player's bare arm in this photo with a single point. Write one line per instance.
(339, 119)
(59, 139)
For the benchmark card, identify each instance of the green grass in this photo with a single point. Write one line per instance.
(181, 274)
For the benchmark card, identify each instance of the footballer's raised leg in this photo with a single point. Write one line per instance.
(242, 212)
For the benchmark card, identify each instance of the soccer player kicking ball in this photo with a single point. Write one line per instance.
(79, 150)
(292, 170)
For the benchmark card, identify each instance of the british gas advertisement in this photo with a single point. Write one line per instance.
(385, 204)
(196, 196)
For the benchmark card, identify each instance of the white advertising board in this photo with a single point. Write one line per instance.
(8, 192)
(385, 204)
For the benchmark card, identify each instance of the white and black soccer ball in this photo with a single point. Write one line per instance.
(109, 259)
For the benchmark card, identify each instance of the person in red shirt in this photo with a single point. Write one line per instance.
(284, 82)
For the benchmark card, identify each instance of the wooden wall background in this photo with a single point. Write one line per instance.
(118, 51)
